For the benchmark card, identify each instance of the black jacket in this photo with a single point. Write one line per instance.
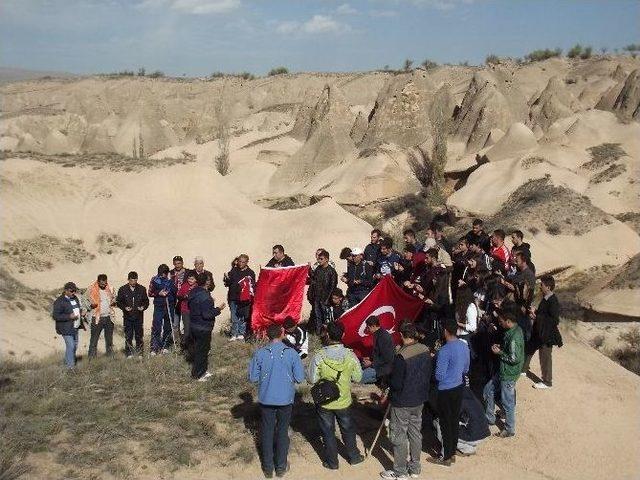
(233, 279)
(62, 310)
(372, 253)
(383, 353)
(212, 283)
(483, 240)
(202, 310)
(545, 326)
(322, 283)
(363, 272)
(473, 423)
(285, 262)
(411, 376)
(134, 299)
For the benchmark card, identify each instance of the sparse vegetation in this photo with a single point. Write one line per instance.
(531, 161)
(109, 243)
(598, 341)
(415, 204)
(278, 71)
(553, 229)
(91, 419)
(156, 74)
(628, 355)
(604, 155)
(142, 72)
(629, 277)
(579, 51)
(39, 253)
(632, 48)
(429, 64)
(222, 161)
(611, 172)
(539, 55)
(98, 161)
(408, 65)
(492, 59)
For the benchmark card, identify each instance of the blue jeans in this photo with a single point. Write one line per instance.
(275, 429)
(327, 421)
(70, 347)
(238, 319)
(368, 375)
(507, 398)
(161, 327)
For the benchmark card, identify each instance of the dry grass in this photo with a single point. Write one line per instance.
(604, 155)
(630, 218)
(109, 243)
(99, 161)
(113, 416)
(16, 296)
(628, 355)
(43, 252)
(612, 171)
(543, 206)
(629, 277)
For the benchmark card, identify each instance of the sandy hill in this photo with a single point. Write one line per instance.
(552, 147)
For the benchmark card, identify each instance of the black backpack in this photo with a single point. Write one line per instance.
(326, 391)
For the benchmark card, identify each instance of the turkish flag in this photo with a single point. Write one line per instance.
(279, 294)
(390, 304)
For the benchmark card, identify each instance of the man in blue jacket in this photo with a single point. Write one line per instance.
(452, 364)
(275, 369)
(202, 316)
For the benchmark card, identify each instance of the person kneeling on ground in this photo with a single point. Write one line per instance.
(202, 316)
(378, 367)
(338, 364)
(473, 424)
(296, 337)
(511, 355)
(275, 369)
(409, 390)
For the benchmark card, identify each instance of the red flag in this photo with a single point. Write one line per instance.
(390, 304)
(279, 294)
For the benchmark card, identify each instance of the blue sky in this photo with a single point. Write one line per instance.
(198, 37)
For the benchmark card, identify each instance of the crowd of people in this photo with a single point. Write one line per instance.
(474, 338)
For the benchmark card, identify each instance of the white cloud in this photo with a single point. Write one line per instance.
(193, 7)
(346, 9)
(443, 4)
(317, 24)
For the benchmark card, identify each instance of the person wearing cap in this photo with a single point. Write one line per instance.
(102, 301)
(68, 313)
(359, 278)
(132, 299)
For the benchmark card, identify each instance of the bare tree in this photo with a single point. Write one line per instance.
(222, 115)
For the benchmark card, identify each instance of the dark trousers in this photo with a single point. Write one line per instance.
(103, 323)
(317, 317)
(274, 436)
(356, 297)
(201, 347)
(449, 404)
(327, 421)
(161, 328)
(546, 363)
(133, 328)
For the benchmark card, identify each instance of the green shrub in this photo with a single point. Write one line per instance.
(278, 71)
(407, 66)
(492, 59)
(586, 53)
(156, 74)
(539, 55)
(429, 64)
(575, 51)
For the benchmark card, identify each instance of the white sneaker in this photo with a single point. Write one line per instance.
(240, 337)
(523, 374)
(205, 377)
(391, 475)
(153, 354)
(165, 351)
(541, 386)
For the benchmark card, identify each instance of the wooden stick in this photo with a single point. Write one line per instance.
(375, 440)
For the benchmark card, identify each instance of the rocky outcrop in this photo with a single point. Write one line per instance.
(555, 102)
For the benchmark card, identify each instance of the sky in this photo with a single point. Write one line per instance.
(199, 37)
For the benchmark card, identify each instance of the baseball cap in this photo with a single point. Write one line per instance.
(357, 251)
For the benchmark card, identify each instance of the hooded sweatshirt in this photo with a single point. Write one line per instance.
(330, 361)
